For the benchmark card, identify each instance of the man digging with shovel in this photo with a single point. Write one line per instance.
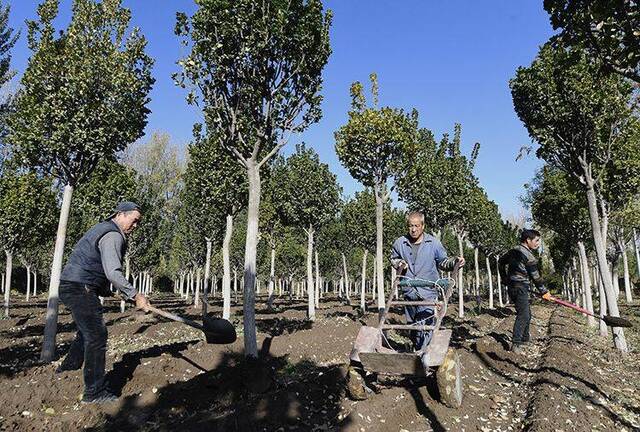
(94, 263)
(519, 267)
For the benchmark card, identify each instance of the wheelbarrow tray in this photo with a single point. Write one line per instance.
(374, 357)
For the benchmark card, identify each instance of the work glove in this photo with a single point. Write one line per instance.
(547, 296)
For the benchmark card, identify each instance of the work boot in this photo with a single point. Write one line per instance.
(69, 364)
(102, 396)
(516, 348)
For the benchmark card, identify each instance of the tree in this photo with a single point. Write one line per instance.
(578, 117)
(27, 204)
(257, 70)
(437, 178)
(307, 196)
(370, 146)
(607, 29)
(83, 98)
(216, 190)
(7, 41)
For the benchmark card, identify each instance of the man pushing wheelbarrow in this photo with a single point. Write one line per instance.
(418, 257)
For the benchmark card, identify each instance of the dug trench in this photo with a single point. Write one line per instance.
(568, 378)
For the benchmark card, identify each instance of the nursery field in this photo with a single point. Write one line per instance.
(568, 378)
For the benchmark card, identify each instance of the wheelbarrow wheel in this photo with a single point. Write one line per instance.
(356, 386)
(449, 379)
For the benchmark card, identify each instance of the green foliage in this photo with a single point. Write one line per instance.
(438, 180)
(256, 69)
(307, 192)
(374, 139)
(27, 211)
(359, 219)
(608, 29)
(576, 114)
(215, 186)
(84, 92)
(7, 41)
(485, 223)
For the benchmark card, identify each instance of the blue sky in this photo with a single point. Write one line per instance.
(451, 60)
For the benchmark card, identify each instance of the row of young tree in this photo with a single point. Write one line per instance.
(255, 72)
(579, 103)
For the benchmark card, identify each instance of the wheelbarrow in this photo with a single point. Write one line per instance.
(371, 353)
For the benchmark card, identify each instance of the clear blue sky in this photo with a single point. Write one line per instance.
(451, 60)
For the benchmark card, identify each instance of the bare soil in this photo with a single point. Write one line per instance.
(568, 378)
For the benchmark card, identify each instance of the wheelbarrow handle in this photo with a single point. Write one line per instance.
(173, 317)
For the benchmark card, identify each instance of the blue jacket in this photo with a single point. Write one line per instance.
(430, 257)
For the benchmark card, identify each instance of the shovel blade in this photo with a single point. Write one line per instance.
(612, 321)
(218, 330)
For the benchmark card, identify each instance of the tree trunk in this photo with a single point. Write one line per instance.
(627, 278)
(207, 269)
(272, 276)
(311, 313)
(35, 282)
(196, 297)
(499, 282)
(603, 308)
(393, 284)
(51, 323)
(381, 197)
(601, 254)
(477, 269)
(7, 282)
(28, 281)
(635, 248)
(490, 282)
(250, 251)
(346, 277)
(459, 281)
(226, 269)
(318, 280)
(586, 282)
(363, 304)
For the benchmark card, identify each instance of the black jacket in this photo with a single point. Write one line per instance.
(519, 267)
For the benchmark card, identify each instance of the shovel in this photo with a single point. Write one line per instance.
(216, 330)
(609, 320)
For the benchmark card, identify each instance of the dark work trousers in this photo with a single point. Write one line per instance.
(90, 344)
(519, 295)
(415, 314)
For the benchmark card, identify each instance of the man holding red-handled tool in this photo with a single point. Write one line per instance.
(519, 267)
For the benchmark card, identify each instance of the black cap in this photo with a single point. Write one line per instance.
(124, 206)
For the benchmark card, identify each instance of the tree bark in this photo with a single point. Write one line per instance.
(207, 269)
(490, 282)
(499, 283)
(477, 269)
(51, 323)
(272, 277)
(603, 308)
(318, 280)
(586, 282)
(637, 252)
(7, 282)
(28, 268)
(311, 307)
(196, 297)
(627, 278)
(35, 282)
(226, 269)
(345, 274)
(381, 196)
(612, 304)
(459, 281)
(363, 304)
(250, 251)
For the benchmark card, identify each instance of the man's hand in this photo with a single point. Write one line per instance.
(141, 302)
(402, 266)
(547, 296)
(461, 261)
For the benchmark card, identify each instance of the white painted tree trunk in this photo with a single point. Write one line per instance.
(250, 251)
(625, 266)
(460, 279)
(7, 282)
(393, 280)
(490, 282)
(318, 280)
(381, 198)
(226, 269)
(345, 274)
(207, 269)
(196, 297)
(28, 282)
(272, 277)
(500, 302)
(637, 252)
(51, 320)
(601, 254)
(363, 305)
(35, 282)
(477, 269)
(2, 276)
(586, 282)
(311, 309)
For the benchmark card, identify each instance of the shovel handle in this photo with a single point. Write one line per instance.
(173, 317)
(572, 306)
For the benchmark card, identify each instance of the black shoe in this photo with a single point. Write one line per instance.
(68, 365)
(103, 396)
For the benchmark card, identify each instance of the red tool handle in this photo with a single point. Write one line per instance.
(572, 306)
